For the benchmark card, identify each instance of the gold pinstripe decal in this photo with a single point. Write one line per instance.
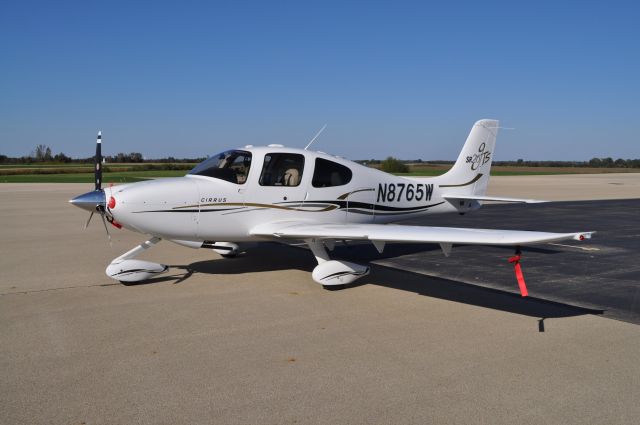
(475, 179)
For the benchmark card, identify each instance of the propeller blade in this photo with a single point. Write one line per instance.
(97, 161)
(104, 221)
(88, 221)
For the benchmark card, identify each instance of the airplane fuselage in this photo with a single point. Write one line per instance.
(278, 193)
(200, 207)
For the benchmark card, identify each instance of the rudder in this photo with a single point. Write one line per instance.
(470, 173)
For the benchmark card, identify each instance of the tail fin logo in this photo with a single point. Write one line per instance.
(479, 158)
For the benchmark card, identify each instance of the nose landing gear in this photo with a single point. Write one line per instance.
(126, 269)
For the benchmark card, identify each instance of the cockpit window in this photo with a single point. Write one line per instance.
(282, 169)
(329, 174)
(232, 166)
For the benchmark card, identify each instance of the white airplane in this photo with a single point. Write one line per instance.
(275, 193)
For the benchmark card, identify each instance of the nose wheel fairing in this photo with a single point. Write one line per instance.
(135, 270)
(126, 269)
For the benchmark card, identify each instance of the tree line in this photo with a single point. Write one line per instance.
(43, 154)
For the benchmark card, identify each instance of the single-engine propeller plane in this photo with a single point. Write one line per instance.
(276, 193)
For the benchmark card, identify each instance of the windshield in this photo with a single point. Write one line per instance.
(232, 166)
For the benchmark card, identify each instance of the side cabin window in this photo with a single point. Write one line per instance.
(328, 174)
(232, 166)
(282, 169)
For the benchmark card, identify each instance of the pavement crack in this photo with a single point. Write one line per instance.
(58, 289)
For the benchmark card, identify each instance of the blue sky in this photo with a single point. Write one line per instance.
(408, 79)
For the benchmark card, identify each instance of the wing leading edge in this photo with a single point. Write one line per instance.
(402, 233)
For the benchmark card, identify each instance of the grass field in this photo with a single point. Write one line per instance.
(45, 165)
(62, 168)
(126, 173)
(115, 177)
(436, 170)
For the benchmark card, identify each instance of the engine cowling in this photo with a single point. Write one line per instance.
(134, 270)
(336, 272)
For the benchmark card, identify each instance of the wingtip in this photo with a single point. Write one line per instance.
(583, 235)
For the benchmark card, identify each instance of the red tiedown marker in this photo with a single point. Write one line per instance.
(518, 269)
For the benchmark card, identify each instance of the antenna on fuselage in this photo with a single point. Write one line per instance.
(315, 137)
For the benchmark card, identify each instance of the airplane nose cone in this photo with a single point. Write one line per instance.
(90, 200)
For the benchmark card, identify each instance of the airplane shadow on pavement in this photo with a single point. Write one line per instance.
(273, 256)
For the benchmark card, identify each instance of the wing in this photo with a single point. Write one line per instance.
(401, 233)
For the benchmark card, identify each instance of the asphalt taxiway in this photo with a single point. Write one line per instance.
(255, 340)
(600, 275)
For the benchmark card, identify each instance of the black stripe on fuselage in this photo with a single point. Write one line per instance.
(298, 205)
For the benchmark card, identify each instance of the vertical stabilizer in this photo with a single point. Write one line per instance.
(470, 173)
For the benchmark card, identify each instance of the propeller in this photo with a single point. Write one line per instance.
(97, 162)
(88, 221)
(95, 201)
(106, 229)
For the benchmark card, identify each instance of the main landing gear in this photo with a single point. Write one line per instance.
(333, 272)
(328, 272)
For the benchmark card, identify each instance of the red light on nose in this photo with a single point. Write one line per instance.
(112, 203)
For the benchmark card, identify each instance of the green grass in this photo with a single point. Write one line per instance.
(421, 173)
(70, 173)
(90, 165)
(529, 173)
(45, 165)
(514, 170)
(121, 177)
(136, 176)
(431, 173)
